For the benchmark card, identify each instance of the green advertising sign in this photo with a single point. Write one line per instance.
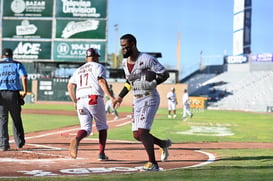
(26, 28)
(81, 8)
(35, 32)
(81, 29)
(28, 8)
(29, 50)
(75, 51)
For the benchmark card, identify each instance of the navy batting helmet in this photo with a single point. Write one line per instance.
(92, 52)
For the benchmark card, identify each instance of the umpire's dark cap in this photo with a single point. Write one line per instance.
(7, 52)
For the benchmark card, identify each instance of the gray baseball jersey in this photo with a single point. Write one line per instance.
(145, 102)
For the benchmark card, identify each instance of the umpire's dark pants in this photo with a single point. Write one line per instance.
(9, 103)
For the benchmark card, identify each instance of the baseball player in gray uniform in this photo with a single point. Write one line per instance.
(137, 66)
(172, 101)
(86, 89)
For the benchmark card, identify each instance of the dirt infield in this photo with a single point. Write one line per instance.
(46, 153)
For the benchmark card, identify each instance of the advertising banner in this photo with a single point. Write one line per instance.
(29, 50)
(81, 8)
(81, 29)
(75, 51)
(35, 32)
(26, 28)
(264, 57)
(198, 102)
(27, 8)
(235, 59)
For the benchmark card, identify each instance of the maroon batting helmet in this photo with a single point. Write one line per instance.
(92, 52)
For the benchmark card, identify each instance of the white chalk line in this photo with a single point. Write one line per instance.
(210, 159)
(49, 148)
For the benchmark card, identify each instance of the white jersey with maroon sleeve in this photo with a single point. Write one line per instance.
(143, 63)
(86, 79)
(145, 102)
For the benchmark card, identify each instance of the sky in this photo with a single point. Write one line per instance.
(203, 25)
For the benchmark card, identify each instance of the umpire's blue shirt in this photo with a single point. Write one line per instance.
(10, 73)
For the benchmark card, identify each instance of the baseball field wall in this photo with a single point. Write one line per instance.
(56, 90)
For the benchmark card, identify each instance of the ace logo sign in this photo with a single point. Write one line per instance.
(29, 50)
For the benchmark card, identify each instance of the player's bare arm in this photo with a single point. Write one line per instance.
(104, 85)
(71, 91)
(25, 86)
(127, 87)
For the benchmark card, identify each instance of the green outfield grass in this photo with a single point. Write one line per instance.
(233, 164)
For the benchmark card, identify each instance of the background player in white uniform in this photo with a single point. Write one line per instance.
(86, 89)
(186, 105)
(172, 101)
(146, 98)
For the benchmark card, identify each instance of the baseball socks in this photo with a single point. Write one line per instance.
(102, 143)
(148, 142)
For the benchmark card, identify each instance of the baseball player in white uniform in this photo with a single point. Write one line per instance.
(186, 105)
(86, 89)
(146, 100)
(172, 101)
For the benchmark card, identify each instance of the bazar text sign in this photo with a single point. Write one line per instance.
(27, 8)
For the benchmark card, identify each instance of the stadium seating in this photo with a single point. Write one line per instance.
(246, 91)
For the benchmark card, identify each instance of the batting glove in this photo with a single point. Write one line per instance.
(145, 85)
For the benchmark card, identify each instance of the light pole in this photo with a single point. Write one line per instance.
(116, 45)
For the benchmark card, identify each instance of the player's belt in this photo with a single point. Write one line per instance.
(142, 95)
(85, 97)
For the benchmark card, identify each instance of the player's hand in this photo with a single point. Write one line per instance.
(117, 102)
(75, 105)
(145, 85)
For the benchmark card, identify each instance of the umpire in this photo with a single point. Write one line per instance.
(10, 99)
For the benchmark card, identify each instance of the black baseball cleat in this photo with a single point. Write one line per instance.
(102, 157)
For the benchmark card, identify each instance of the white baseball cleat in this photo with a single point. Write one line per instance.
(150, 167)
(164, 150)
